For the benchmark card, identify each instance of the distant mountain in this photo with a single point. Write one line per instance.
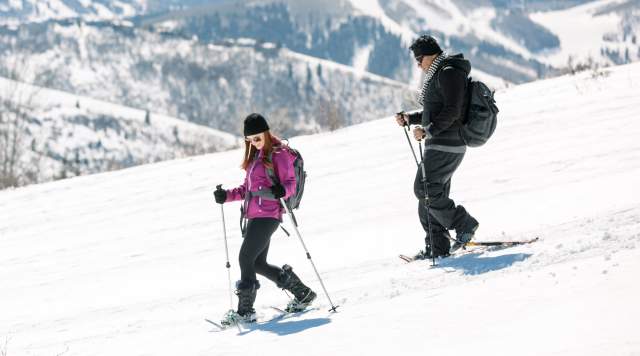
(520, 40)
(602, 32)
(516, 40)
(358, 41)
(16, 12)
(213, 85)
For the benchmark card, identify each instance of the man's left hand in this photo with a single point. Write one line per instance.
(420, 133)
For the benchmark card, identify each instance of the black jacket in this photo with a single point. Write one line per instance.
(445, 103)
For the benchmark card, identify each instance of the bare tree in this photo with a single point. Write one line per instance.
(16, 101)
(409, 101)
(574, 66)
(4, 349)
(329, 115)
(281, 123)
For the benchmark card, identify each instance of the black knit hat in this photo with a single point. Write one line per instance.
(255, 124)
(425, 45)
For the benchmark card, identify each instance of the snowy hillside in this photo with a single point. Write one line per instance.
(15, 12)
(598, 31)
(516, 40)
(131, 262)
(208, 84)
(61, 135)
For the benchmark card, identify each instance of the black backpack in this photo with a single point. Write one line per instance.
(293, 202)
(481, 117)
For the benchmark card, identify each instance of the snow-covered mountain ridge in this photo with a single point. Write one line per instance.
(517, 41)
(508, 34)
(212, 85)
(16, 12)
(118, 261)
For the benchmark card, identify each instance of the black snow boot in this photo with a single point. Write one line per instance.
(246, 292)
(465, 234)
(441, 243)
(303, 295)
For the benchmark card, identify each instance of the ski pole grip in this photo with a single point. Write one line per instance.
(405, 121)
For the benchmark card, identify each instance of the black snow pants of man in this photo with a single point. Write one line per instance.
(445, 215)
(254, 250)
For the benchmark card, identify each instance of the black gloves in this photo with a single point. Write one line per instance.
(278, 190)
(220, 195)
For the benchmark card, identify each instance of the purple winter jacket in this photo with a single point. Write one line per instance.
(257, 179)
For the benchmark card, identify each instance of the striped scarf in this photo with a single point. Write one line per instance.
(433, 68)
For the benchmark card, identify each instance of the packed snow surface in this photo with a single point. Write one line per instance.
(131, 262)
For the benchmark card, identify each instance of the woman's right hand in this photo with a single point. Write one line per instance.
(220, 195)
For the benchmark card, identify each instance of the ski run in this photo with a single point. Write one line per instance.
(131, 262)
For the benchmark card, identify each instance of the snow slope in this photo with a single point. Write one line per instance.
(130, 262)
(586, 33)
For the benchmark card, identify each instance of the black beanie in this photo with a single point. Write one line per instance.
(425, 45)
(255, 124)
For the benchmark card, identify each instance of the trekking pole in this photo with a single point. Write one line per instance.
(427, 202)
(405, 128)
(295, 227)
(226, 250)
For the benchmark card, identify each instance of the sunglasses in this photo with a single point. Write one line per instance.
(419, 59)
(254, 139)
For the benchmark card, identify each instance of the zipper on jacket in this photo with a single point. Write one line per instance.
(253, 166)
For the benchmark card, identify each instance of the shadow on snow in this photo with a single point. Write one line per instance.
(477, 263)
(286, 327)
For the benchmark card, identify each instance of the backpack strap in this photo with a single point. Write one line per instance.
(245, 206)
(468, 94)
(271, 172)
(273, 177)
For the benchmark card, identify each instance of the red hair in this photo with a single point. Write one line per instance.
(270, 141)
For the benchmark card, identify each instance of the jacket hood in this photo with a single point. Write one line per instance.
(459, 62)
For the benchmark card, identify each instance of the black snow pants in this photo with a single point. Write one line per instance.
(254, 250)
(445, 215)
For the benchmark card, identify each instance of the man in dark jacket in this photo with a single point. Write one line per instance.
(444, 104)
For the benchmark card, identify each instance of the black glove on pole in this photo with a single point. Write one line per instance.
(220, 194)
(278, 190)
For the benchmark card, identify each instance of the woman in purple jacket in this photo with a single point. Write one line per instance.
(264, 157)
